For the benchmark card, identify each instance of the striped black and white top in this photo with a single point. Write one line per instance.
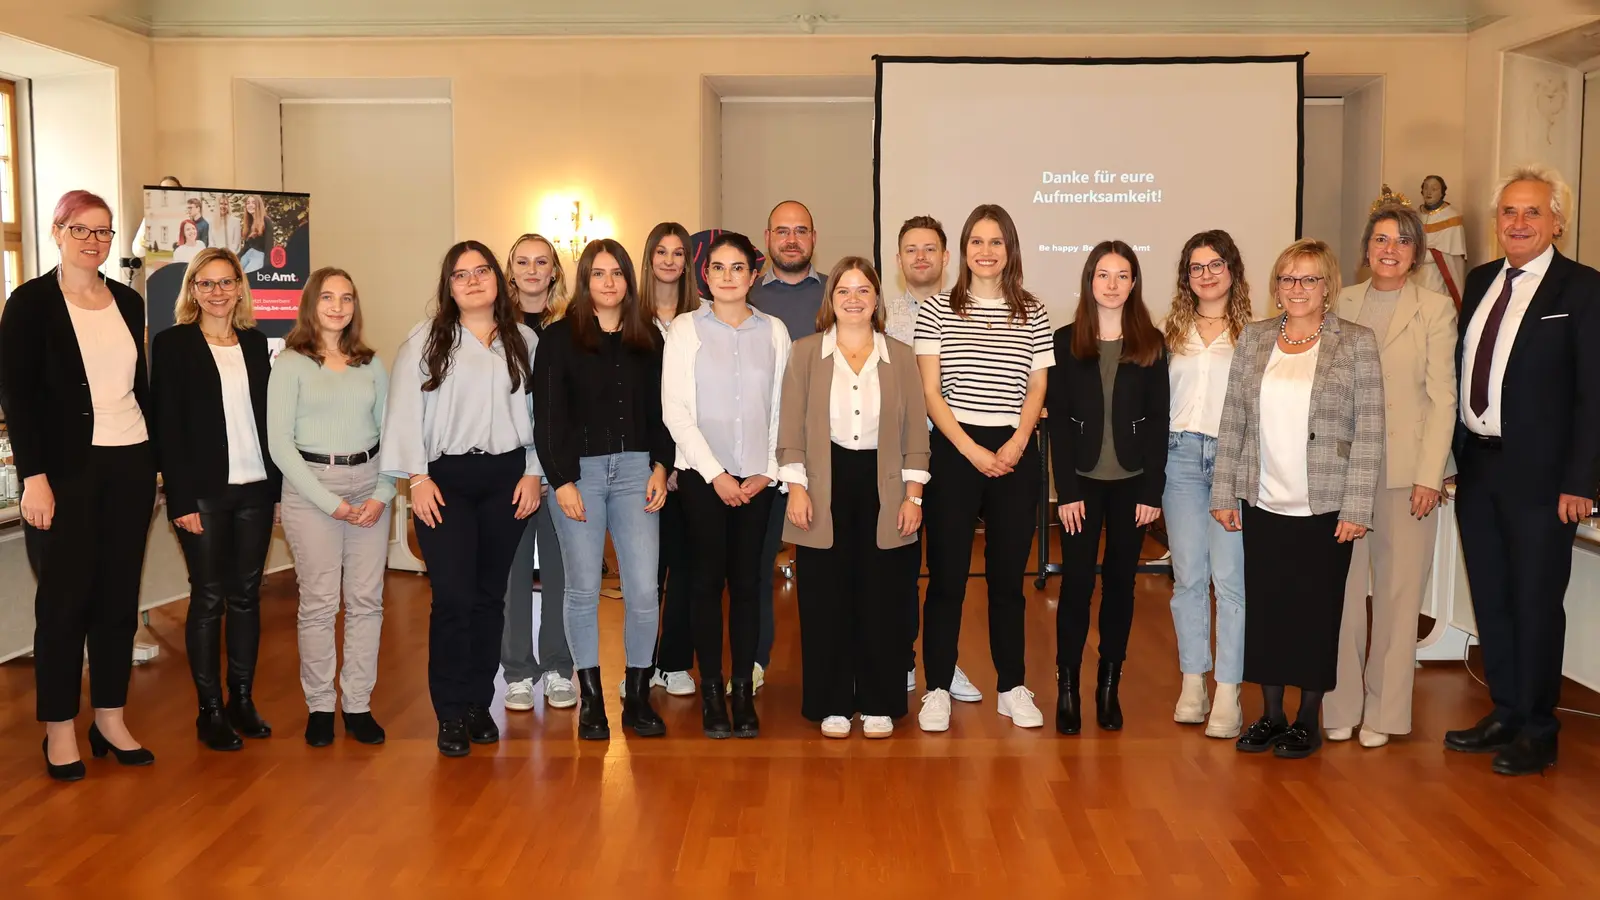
(984, 359)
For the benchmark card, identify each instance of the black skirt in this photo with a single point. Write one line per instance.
(1294, 576)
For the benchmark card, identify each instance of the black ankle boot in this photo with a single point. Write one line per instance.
(363, 727)
(714, 708)
(1069, 719)
(1108, 710)
(636, 710)
(742, 701)
(242, 713)
(319, 729)
(212, 728)
(592, 724)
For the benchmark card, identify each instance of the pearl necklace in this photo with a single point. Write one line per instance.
(1283, 332)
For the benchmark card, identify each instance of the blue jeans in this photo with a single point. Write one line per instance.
(1204, 554)
(613, 489)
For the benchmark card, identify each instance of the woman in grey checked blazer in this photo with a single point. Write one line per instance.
(1301, 444)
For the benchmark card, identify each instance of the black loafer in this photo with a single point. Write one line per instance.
(453, 738)
(1298, 742)
(1526, 756)
(319, 729)
(1261, 735)
(364, 728)
(481, 727)
(1488, 736)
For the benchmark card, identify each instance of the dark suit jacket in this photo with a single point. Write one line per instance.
(1550, 396)
(1139, 416)
(43, 387)
(191, 429)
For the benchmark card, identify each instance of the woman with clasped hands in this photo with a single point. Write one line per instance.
(1301, 444)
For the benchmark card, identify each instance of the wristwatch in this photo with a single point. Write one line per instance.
(916, 500)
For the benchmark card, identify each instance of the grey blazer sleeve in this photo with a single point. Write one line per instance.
(1366, 451)
(1230, 435)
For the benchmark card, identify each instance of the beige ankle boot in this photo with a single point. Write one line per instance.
(1226, 716)
(1192, 703)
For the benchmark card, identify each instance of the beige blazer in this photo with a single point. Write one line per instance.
(803, 437)
(1419, 383)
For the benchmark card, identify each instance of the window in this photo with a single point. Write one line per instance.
(10, 196)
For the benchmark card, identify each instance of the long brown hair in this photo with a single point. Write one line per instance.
(1186, 305)
(1018, 300)
(1141, 342)
(443, 330)
(305, 338)
(826, 317)
(688, 297)
(637, 332)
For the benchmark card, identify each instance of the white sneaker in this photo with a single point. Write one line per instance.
(678, 684)
(963, 689)
(559, 692)
(1193, 704)
(836, 727)
(877, 726)
(519, 695)
(1227, 718)
(758, 677)
(911, 681)
(935, 713)
(1372, 739)
(1018, 704)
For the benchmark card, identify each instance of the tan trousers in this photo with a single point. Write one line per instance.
(330, 554)
(1374, 686)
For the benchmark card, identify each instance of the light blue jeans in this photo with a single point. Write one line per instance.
(1203, 554)
(613, 489)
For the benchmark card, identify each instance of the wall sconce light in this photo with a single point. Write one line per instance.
(579, 226)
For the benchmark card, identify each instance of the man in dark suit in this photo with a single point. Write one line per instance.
(1527, 446)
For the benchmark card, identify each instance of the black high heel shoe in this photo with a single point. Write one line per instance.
(99, 746)
(72, 771)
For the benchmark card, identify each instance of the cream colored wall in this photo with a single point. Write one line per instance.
(619, 121)
(257, 139)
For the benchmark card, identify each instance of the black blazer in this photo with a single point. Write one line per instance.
(1550, 396)
(43, 387)
(1139, 415)
(191, 428)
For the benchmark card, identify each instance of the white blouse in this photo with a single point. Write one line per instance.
(110, 358)
(1199, 380)
(1285, 419)
(855, 407)
(245, 465)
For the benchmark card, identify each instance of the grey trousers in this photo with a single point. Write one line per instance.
(330, 554)
(516, 647)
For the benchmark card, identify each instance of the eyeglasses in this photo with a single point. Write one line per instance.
(82, 232)
(1215, 267)
(1306, 282)
(462, 276)
(206, 285)
(786, 232)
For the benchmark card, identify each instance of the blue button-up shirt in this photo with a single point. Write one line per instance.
(733, 375)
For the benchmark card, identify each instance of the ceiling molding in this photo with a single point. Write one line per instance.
(140, 25)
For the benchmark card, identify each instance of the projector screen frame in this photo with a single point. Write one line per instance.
(1299, 59)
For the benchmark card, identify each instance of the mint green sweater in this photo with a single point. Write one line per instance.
(318, 410)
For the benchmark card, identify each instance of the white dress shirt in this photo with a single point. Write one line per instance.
(855, 407)
(245, 465)
(1522, 291)
(1285, 484)
(1199, 382)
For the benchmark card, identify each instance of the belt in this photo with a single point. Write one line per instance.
(354, 459)
(1485, 442)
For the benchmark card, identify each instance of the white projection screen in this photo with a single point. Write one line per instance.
(1148, 151)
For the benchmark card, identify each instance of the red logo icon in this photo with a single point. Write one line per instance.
(279, 257)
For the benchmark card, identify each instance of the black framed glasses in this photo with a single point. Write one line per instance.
(82, 232)
(1216, 267)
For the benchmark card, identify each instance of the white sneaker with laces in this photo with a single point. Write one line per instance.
(935, 712)
(877, 726)
(962, 688)
(559, 692)
(678, 684)
(911, 680)
(1018, 704)
(836, 727)
(519, 695)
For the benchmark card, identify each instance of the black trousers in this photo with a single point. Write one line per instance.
(957, 495)
(88, 566)
(225, 563)
(469, 556)
(675, 647)
(1518, 556)
(771, 544)
(1108, 503)
(1294, 577)
(852, 610)
(727, 542)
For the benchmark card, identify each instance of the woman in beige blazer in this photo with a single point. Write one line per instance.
(853, 448)
(1416, 331)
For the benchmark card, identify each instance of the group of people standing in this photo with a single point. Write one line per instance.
(1297, 460)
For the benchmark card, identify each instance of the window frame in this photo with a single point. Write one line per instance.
(12, 231)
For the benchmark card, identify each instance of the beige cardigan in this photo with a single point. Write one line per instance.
(803, 437)
(1419, 383)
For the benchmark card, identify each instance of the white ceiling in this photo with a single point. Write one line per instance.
(205, 18)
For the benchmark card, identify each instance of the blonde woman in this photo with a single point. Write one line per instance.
(325, 405)
(1209, 311)
(537, 283)
(209, 378)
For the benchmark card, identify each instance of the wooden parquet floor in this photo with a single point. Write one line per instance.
(985, 809)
